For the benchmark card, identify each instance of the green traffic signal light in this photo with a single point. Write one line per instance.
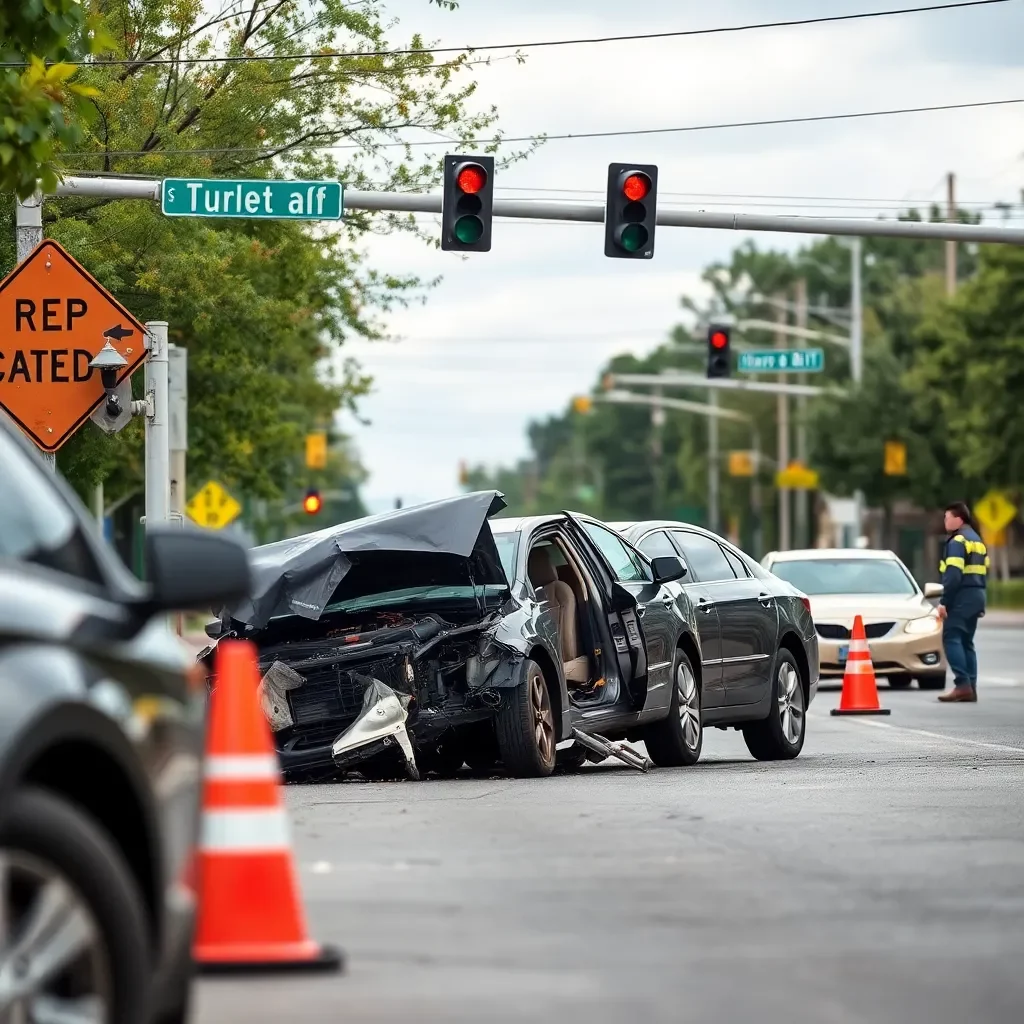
(468, 230)
(633, 237)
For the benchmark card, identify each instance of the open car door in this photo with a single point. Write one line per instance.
(620, 608)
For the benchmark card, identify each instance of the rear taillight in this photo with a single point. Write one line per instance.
(806, 602)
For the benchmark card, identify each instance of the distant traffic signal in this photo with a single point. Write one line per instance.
(466, 203)
(719, 351)
(630, 211)
(312, 503)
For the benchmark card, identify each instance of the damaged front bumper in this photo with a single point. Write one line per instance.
(380, 726)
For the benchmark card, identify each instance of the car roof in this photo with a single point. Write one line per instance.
(643, 525)
(818, 554)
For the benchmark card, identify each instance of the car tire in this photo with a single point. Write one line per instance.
(780, 736)
(676, 740)
(900, 682)
(525, 727)
(60, 865)
(932, 681)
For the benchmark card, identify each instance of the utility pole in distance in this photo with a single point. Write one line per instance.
(782, 406)
(950, 244)
(802, 497)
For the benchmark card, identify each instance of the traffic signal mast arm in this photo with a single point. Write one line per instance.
(594, 213)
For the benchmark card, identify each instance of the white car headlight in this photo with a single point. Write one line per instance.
(925, 624)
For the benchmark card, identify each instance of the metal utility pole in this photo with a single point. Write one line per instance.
(177, 389)
(714, 463)
(28, 229)
(782, 414)
(950, 244)
(658, 453)
(158, 456)
(857, 352)
(803, 498)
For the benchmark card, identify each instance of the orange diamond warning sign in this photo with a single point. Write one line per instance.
(54, 318)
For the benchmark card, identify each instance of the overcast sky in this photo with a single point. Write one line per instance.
(509, 336)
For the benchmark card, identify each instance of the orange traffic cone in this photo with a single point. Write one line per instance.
(860, 691)
(250, 916)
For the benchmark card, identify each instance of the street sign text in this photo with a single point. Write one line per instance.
(797, 360)
(276, 200)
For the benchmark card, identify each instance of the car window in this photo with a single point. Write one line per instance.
(506, 543)
(36, 523)
(705, 557)
(820, 576)
(657, 545)
(625, 564)
(736, 564)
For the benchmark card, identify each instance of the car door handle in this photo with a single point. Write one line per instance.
(704, 605)
(766, 599)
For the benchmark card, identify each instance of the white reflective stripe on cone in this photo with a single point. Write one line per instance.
(859, 668)
(244, 831)
(241, 767)
(859, 647)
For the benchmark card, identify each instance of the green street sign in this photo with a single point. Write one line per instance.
(273, 200)
(798, 360)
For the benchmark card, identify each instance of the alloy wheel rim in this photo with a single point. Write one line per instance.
(689, 705)
(543, 719)
(791, 704)
(54, 965)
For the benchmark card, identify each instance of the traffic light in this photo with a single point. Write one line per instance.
(630, 211)
(312, 503)
(719, 351)
(466, 203)
(582, 404)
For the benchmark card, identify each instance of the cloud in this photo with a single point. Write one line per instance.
(511, 335)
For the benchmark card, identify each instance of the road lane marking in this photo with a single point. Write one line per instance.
(938, 736)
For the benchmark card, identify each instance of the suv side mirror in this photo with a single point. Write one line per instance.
(667, 568)
(933, 590)
(192, 569)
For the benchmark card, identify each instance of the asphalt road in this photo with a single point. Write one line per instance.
(877, 878)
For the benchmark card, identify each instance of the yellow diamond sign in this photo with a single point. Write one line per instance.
(797, 477)
(213, 507)
(995, 511)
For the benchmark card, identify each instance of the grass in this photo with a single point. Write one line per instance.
(1005, 595)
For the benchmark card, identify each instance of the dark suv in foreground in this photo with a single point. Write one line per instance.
(100, 755)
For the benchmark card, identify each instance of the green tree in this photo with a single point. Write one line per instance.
(263, 307)
(39, 105)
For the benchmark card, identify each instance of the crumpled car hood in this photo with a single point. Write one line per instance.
(440, 543)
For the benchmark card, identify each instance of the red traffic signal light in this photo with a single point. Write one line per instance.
(312, 503)
(466, 203)
(719, 354)
(631, 208)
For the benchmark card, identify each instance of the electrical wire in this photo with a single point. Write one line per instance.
(547, 43)
(502, 140)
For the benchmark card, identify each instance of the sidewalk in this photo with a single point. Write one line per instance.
(1003, 618)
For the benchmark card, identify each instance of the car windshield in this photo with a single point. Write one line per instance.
(506, 545)
(846, 576)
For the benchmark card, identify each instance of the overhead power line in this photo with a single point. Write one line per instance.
(770, 122)
(537, 44)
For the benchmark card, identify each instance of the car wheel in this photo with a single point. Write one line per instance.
(900, 682)
(780, 736)
(934, 681)
(677, 739)
(73, 938)
(525, 727)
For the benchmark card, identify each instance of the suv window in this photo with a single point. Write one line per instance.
(705, 557)
(625, 564)
(657, 545)
(36, 523)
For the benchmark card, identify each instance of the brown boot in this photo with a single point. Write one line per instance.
(960, 695)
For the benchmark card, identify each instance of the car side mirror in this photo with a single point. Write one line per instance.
(667, 568)
(933, 590)
(193, 570)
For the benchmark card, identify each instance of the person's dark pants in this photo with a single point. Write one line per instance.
(958, 636)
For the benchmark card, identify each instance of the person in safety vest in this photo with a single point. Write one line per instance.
(964, 569)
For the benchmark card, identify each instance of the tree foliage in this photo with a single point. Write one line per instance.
(264, 307)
